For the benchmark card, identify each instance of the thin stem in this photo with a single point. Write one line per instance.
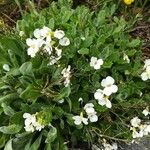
(9, 18)
(106, 136)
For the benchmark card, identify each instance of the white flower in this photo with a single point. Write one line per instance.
(146, 74)
(58, 51)
(98, 94)
(80, 99)
(147, 129)
(105, 101)
(67, 82)
(34, 45)
(89, 108)
(48, 48)
(37, 33)
(126, 58)
(38, 126)
(21, 33)
(59, 34)
(147, 63)
(61, 101)
(114, 146)
(96, 63)
(109, 86)
(53, 60)
(64, 41)
(107, 146)
(136, 134)
(79, 119)
(31, 124)
(30, 120)
(93, 117)
(29, 128)
(144, 129)
(6, 67)
(44, 34)
(66, 72)
(135, 122)
(146, 112)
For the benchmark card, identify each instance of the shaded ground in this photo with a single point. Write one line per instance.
(142, 30)
(144, 144)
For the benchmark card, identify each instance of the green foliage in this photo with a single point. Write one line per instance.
(32, 86)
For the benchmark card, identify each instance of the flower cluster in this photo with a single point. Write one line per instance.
(146, 74)
(96, 63)
(138, 129)
(66, 75)
(31, 123)
(102, 96)
(47, 41)
(91, 115)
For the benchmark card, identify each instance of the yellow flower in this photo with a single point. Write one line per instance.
(128, 2)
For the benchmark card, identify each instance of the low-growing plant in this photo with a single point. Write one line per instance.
(71, 75)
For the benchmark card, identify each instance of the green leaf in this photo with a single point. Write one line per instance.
(52, 134)
(31, 93)
(12, 44)
(118, 29)
(21, 140)
(26, 69)
(87, 42)
(17, 118)
(36, 144)
(134, 43)
(101, 17)
(2, 141)
(70, 103)
(7, 110)
(9, 97)
(48, 146)
(51, 23)
(13, 58)
(8, 145)
(83, 51)
(11, 129)
(65, 92)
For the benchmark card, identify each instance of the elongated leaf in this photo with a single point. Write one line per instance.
(52, 134)
(83, 51)
(37, 143)
(7, 109)
(65, 92)
(8, 145)
(30, 93)
(9, 97)
(26, 69)
(2, 141)
(11, 129)
(48, 146)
